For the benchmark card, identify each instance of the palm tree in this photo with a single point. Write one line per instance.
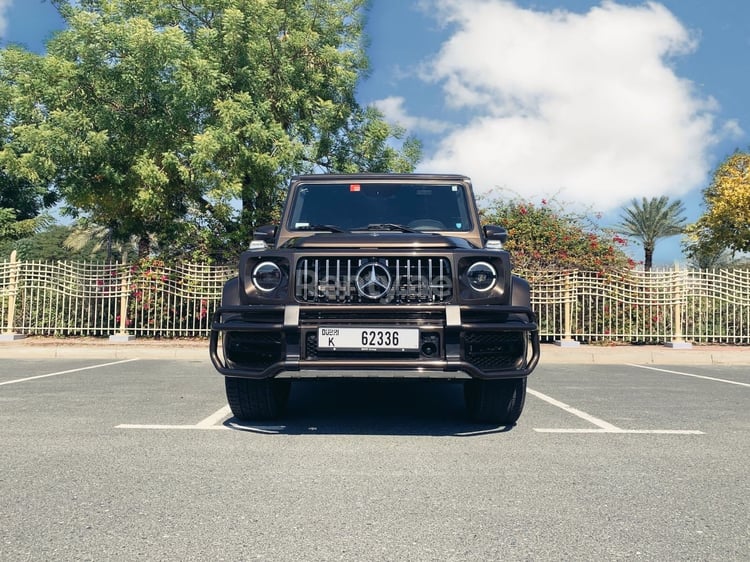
(650, 220)
(98, 238)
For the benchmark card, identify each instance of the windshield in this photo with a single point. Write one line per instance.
(386, 206)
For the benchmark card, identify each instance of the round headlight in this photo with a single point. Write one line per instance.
(481, 276)
(267, 276)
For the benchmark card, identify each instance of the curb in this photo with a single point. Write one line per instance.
(47, 348)
(646, 355)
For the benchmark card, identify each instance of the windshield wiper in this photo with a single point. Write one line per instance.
(391, 226)
(328, 227)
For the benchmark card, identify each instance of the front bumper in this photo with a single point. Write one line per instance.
(481, 341)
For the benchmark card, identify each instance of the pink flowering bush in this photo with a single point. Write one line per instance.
(545, 236)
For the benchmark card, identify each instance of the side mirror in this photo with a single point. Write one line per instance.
(265, 233)
(496, 234)
(262, 236)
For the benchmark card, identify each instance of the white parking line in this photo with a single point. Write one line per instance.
(688, 374)
(604, 427)
(215, 421)
(621, 431)
(583, 415)
(154, 426)
(215, 418)
(66, 372)
(211, 422)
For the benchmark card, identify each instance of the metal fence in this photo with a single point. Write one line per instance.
(94, 299)
(150, 299)
(701, 306)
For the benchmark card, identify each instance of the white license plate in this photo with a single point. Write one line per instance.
(368, 339)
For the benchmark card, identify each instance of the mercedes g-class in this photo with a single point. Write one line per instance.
(379, 275)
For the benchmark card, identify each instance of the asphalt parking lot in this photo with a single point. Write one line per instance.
(138, 458)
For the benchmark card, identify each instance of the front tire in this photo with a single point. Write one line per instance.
(495, 401)
(255, 400)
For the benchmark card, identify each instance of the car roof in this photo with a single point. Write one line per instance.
(380, 177)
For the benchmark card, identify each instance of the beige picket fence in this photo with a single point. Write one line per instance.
(96, 299)
(660, 306)
(155, 300)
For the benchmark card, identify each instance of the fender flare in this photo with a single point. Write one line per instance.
(520, 292)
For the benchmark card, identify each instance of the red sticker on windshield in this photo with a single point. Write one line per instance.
(354, 187)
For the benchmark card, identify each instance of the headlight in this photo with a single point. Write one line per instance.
(267, 276)
(481, 276)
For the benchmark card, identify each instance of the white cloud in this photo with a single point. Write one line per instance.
(4, 7)
(732, 129)
(393, 110)
(582, 106)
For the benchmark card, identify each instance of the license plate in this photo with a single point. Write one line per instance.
(368, 339)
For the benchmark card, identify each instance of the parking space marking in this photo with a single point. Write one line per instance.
(215, 418)
(214, 421)
(688, 374)
(583, 415)
(156, 426)
(66, 372)
(217, 421)
(622, 431)
(604, 427)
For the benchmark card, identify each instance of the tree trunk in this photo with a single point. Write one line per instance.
(649, 258)
(144, 246)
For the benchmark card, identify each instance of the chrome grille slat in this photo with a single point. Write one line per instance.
(333, 280)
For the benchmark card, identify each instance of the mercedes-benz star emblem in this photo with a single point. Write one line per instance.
(373, 280)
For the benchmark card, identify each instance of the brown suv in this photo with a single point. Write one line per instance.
(379, 275)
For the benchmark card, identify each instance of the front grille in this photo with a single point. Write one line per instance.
(494, 351)
(371, 280)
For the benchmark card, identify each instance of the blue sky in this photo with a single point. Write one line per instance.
(586, 102)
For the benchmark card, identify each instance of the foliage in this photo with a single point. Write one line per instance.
(152, 308)
(726, 221)
(93, 119)
(650, 220)
(12, 229)
(50, 245)
(97, 242)
(702, 251)
(24, 198)
(155, 117)
(546, 236)
(21, 202)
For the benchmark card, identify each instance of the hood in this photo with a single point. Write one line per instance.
(389, 240)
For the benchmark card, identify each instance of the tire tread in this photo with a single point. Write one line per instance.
(251, 399)
(495, 401)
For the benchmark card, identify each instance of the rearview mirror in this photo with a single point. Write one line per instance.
(496, 233)
(262, 236)
(265, 233)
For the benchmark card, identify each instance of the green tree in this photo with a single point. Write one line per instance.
(546, 236)
(726, 221)
(24, 198)
(651, 220)
(157, 116)
(13, 229)
(21, 202)
(703, 252)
